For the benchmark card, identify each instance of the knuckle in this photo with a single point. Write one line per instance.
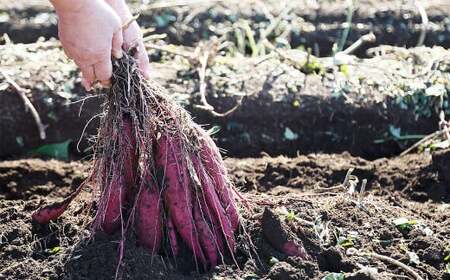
(103, 75)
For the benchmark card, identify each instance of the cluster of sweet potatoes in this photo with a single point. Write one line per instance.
(159, 173)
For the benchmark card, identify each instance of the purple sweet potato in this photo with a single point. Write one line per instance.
(213, 203)
(172, 235)
(53, 211)
(177, 194)
(115, 197)
(128, 143)
(280, 236)
(49, 213)
(212, 160)
(148, 222)
(206, 236)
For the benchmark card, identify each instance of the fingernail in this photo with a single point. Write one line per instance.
(86, 85)
(106, 84)
(118, 54)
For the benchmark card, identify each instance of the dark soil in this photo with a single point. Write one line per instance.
(412, 187)
(284, 110)
(325, 116)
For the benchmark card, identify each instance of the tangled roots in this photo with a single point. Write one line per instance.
(157, 171)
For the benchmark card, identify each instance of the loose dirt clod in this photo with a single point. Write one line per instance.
(277, 233)
(155, 169)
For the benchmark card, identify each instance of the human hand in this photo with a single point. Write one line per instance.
(90, 31)
(132, 35)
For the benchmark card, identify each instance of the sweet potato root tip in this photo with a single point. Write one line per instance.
(279, 235)
(148, 223)
(177, 195)
(206, 236)
(53, 211)
(49, 213)
(214, 205)
(212, 160)
(290, 248)
(172, 235)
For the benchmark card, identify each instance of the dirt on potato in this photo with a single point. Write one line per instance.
(340, 231)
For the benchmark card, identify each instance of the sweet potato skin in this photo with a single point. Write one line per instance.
(49, 213)
(128, 143)
(206, 236)
(172, 236)
(177, 194)
(213, 204)
(149, 222)
(279, 235)
(115, 197)
(212, 160)
(53, 211)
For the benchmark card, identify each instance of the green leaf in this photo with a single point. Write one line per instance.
(290, 216)
(447, 258)
(440, 145)
(19, 141)
(54, 250)
(289, 134)
(56, 150)
(334, 276)
(344, 69)
(346, 242)
(164, 20)
(395, 131)
(447, 268)
(404, 224)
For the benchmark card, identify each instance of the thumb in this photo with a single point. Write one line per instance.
(117, 42)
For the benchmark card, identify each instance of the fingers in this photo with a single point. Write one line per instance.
(140, 55)
(103, 71)
(88, 76)
(142, 60)
(117, 42)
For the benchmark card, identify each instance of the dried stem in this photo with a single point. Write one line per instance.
(28, 105)
(169, 50)
(368, 38)
(425, 139)
(169, 4)
(202, 90)
(425, 22)
(395, 262)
